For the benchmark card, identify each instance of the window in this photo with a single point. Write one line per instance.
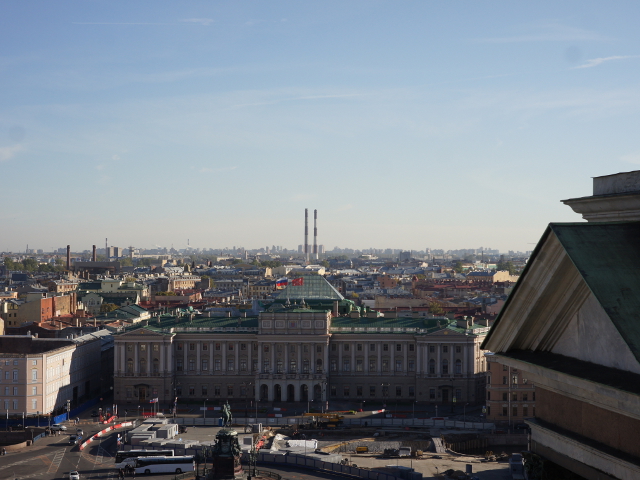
(243, 364)
(488, 379)
(533, 413)
(432, 348)
(192, 346)
(292, 349)
(231, 347)
(34, 362)
(34, 375)
(334, 347)
(505, 413)
(129, 393)
(445, 366)
(265, 348)
(505, 396)
(514, 397)
(231, 365)
(305, 366)
(305, 348)
(504, 380)
(15, 391)
(359, 347)
(385, 347)
(216, 390)
(346, 347)
(514, 379)
(488, 395)
(525, 411)
(372, 391)
(458, 349)
(217, 347)
(205, 364)
(398, 391)
(143, 348)
(533, 397)
(204, 390)
(34, 390)
(179, 390)
(412, 365)
(334, 365)
(15, 374)
(6, 390)
(514, 411)
(266, 366)
(333, 391)
(385, 391)
(7, 375)
(372, 365)
(488, 410)
(230, 390)
(525, 397)
(279, 366)
(398, 365)
(205, 347)
(372, 347)
(15, 404)
(130, 366)
(243, 391)
(359, 391)
(217, 365)
(156, 348)
(504, 368)
(179, 346)
(359, 366)
(192, 364)
(345, 391)
(318, 348)
(346, 365)
(458, 367)
(319, 365)
(243, 347)
(385, 365)
(412, 391)
(458, 394)
(192, 389)
(293, 366)
(412, 347)
(398, 347)
(432, 366)
(445, 349)
(432, 394)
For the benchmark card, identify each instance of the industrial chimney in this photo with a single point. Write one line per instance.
(94, 256)
(306, 234)
(315, 234)
(68, 257)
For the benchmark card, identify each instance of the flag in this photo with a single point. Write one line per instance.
(283, 282)
(153, 400)
(297, 282)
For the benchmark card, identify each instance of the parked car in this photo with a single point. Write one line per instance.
(74, 475)
(182, 429)
(73, 439)
(57, 426)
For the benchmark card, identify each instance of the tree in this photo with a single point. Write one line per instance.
(508, 266)
(108, 307)
(435, 308)
(125, 262)
(457, 267)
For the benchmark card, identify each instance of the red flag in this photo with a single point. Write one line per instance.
(297, 282)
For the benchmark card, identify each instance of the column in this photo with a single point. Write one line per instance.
(286, 364)
(236, 366)
(123, 360)
(405, 346)
(211, 345)
(249, 359)
(136, 366)
(352, 346)
(273, 361)
(299, 365)
(161, 359)
(379, 347)
(224, 356)
(198, 347)
(418, 359)
(148, 358)
(366, 358)
(326, 359)
(465, 366)
(438, 366)
(170, 357)
(340, 347)
(185, 365)
(260, 347)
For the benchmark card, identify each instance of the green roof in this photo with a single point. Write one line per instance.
(314, 287)
(381, 322)
(607, 255)
(207, 323)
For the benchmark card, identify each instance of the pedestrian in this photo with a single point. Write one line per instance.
(4, 451)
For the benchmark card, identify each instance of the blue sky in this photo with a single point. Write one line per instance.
(406, 124)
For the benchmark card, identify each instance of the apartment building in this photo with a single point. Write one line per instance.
(511, 396)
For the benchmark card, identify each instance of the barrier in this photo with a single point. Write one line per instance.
(102, 432)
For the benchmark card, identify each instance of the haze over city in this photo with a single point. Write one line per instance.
(413, 125)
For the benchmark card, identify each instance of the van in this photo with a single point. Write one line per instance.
(79, 431)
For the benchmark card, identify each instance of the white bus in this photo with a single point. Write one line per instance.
(165, 464)
(129, 456)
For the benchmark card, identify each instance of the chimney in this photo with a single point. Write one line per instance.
(306, 234)
(68, 257)
(94, 257)
(315, 234)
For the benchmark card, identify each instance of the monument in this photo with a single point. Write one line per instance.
(226, 455)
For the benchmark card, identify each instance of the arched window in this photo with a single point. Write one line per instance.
(129, 366)
(458, 366)
(445, 367)
(432, 366)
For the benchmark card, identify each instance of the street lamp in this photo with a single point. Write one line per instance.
(204, 410)
(68, 409)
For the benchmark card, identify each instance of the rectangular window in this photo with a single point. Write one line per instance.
(230, 365)
(372, 391)
(345, 391)
(358, 391)
(34, 375)
(205, 364)
(305, 349)
(504, 380)
(346, 365)
(266, 366)
(488, 411)
(334, 347)
(359, 347)
(398, 391)
(372, 347)
(231, 347)
(205, 347)
(243, 347)
(458, 395)
(204, 390)
(179, 390)
(412, 366)
(385, 347)
(192, 346)
(217, 364)
(179, 365)
(34, 390)
(346, 347)
(398, 365)
(533, 397)
(525, 397)
(458, 349)
(265, 348)
(15, 404)
(514, 397)
(333, 391)
(514, 411)
(129, 393)
(504, 368)
(217, 347)
(216, 390)
(505, 397)
(15, 391)
(243, 365)
(525, 411)
(179, 346)
(34, 362)
(15, 375)
(372, 365)
(359, 366)
(230, 390)
(156, 348)
(533, 411)
(432, 394)
(412, 391)
(445, 349)
(318, 348)
(412, 347)
(143, 348)
(192, 364)
(385, 365)
(398, 347)
(505, 413)
(432, 348)
(255, 365)
(488, 395)
(192, 389)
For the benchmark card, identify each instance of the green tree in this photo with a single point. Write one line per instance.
(108, 307)
(435, 308)
(508, 266)
(457, 267)
(125, 262)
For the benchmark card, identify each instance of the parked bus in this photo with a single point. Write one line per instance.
(148, 465)
(122, 455)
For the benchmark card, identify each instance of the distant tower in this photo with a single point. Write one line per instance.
(94, 255)
(306, 234)
(106, 248)
(315, 234)
(68, 257)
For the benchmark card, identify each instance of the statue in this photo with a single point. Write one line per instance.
(227, 417)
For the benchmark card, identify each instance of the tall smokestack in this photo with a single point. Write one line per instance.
(68, 257)
(94, 256)
(315, 234)
(306, 234)
(106, 248)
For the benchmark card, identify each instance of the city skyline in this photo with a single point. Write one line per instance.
(421, 124)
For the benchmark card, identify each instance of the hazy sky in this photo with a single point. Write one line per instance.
(406, 124)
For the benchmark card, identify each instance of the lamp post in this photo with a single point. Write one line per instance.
(204, 410)
(68, 409)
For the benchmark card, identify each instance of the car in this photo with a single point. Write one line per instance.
(74, 475)
(57, 426)
(182, 429)
(73, 439)
(79, 431)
